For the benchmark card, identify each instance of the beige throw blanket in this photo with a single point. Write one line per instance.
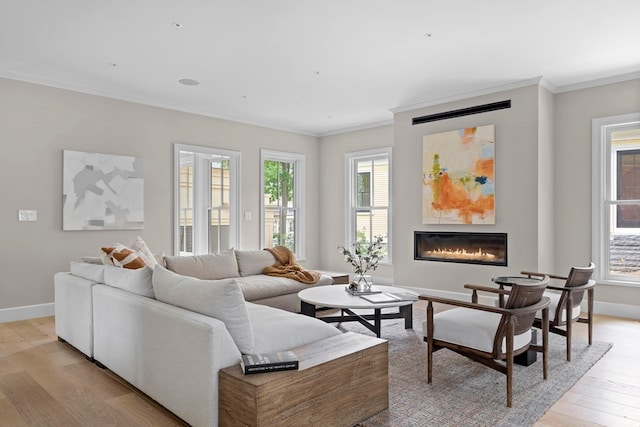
(287, 266)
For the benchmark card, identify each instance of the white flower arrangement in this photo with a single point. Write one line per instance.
(364, 257)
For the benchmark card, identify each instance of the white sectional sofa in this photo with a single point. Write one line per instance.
(169, 334)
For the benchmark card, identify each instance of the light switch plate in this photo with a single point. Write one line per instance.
(27, 215)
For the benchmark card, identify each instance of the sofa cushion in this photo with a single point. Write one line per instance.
(221, 299)
(93, 272)
(279, 330)
(253, 262)
(136, 281)
(209, 266)
(261, 286)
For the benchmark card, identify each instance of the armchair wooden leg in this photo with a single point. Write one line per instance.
(590, 314)
(509, 362)
(429, 341)
(545, 341)
(569, 319)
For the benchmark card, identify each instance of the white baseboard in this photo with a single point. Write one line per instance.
(617, 310)
(606, 308)
(26, 312)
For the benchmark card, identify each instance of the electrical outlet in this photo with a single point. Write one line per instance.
(27, 215)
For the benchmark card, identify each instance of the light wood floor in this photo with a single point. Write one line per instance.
(44, 382)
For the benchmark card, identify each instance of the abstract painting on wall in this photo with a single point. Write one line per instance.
(102, 192)
(458, 176)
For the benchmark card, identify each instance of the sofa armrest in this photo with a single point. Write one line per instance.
(171, 354)
(73, 311)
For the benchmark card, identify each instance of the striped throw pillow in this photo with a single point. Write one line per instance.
(122, 256)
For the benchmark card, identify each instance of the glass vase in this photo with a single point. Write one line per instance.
(363, 282)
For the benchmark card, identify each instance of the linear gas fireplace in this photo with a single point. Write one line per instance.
(469, 248)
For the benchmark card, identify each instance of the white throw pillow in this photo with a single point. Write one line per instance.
(147, 256)
(221, 299)
(136, 281)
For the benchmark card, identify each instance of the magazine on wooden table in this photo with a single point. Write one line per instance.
(269, 362)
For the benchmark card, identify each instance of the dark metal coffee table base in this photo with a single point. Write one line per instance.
(405, 312)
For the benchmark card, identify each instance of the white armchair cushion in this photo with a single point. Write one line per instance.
(137, 281)
(472, 328)
(553, 305)
(221, 299)
(209, 266)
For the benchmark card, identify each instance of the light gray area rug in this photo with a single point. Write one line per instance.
(466, 393)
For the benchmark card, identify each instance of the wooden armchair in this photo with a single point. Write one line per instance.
(487, 334)
(568, 301)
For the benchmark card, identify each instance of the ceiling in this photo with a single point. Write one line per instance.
(314, 66)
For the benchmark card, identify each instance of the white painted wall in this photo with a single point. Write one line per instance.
(38, 122)
(517, 203)
(543, 173)
(332, 191)
(575, 111)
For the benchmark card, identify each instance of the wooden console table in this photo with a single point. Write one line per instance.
(342, 381)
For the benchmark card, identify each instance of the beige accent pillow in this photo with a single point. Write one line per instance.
(221, 299)
(208, 266)
(253, 262)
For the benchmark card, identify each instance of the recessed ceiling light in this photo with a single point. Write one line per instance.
(317, 73)
(176, 25)
(189, 82)
(428, 35)
(113, 64)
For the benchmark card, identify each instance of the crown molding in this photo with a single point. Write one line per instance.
(357, 128)
(467, 95)
(137, 100)
(599, 82)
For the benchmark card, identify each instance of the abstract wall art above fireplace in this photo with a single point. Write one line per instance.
(458, 176)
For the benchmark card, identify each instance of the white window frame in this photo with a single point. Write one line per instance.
(298, 196)
(601, 198)
(201, 195)
(351, 195)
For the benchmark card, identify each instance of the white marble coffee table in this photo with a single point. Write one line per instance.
(335, 296)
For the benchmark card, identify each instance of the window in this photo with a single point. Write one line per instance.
(369, 198)
(282, 201)
(616, 199)
(206, 217)
(628, 187)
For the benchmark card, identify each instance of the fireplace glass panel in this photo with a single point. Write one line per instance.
(469, 248)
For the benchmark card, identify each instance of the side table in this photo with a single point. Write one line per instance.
(342, 381)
